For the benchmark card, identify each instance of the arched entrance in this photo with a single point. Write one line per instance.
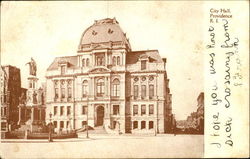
(99, 115)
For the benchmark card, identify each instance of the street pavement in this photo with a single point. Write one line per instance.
(103, 146)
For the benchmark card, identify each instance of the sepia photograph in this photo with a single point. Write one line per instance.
(103, 79)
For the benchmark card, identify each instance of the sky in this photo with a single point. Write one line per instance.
(45, 30)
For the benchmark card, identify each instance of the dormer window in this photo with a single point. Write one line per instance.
(63, 69)
(143, 64)
(87, 62)
(100, 61)
(83, 62)
(114, 60)
(118, 60)
(94, 33)
(110, 31)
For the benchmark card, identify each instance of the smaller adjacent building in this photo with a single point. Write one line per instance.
(200, 112)
(10, 90)
(195, 121)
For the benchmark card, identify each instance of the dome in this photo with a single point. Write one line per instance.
(103, 31)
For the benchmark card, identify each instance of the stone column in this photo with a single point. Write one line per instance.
(139, 125)
(147, 124)
(106, 86)
(106, 59)
(94, 62)
(93, 86)
(90, 86)
(139, 109)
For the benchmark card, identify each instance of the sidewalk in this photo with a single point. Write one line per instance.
(43, 140)
(82, 138)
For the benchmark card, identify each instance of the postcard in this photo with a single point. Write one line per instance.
(124, 79)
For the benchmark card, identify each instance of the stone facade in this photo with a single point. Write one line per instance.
(10, 93)
(200, 112)
(107, 84)
(196, 119)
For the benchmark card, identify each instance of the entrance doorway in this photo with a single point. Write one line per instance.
(100, 115)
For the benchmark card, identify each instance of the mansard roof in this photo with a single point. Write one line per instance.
(134, 56)
(71, 62)
(104, 30)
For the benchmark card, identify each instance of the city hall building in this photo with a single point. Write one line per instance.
(108, 85)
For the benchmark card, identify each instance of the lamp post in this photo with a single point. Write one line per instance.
(50, 126)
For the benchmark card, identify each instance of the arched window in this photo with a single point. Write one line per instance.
(116, 87)
(63, 89)
(114, 60)
(151, 91)
(100, 87)
(118, 60)
(84, 88)
(56, 90)
(87, 62)
(83, 62)
(69, 89)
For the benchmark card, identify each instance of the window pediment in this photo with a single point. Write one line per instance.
(100, 70)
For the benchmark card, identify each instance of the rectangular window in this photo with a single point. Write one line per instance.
(5, 111)
(136, 92)
(143, 109)
(84, 110)
(83, 62)
(63, 92)
(135, 110)
(100, 60)
(151, 91)
(30, 85)
(63, 70)
(135, 124)
(116, 90)
(55, 124)
(151, 125)
(56, 93)
(61, 110)
(55, 110)
(151, 109)
(143, 124)
(84, 91)
(84, 123)
(143, 65)
(115, 109)
(61, 124)
(3, 126)
(69, 92)
(68, 110)
(143, 91)
(100, 88)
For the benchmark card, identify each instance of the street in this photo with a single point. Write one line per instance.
(165, 145)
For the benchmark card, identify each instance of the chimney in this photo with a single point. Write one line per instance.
(165, 61)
